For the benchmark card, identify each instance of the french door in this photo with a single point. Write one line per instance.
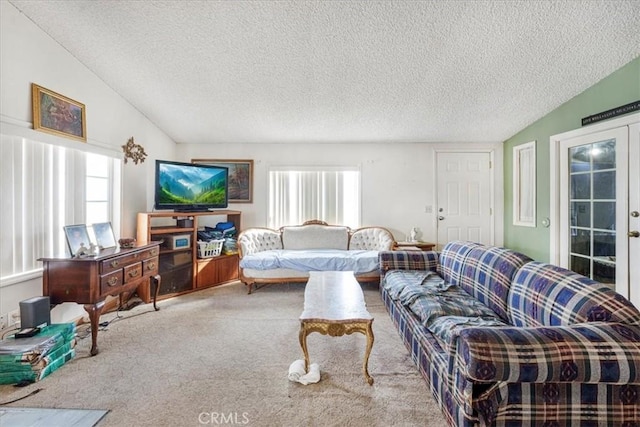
(598, 206)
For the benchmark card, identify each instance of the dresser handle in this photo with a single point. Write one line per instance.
(134, 273)
(136, 255)
(154, 252)
(151, 266)
(114, 264)
(112, 281)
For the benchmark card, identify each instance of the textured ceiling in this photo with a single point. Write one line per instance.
(344, 71)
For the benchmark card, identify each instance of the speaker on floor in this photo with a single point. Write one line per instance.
(35, 312)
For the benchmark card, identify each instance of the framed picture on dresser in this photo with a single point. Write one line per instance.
(104, 235)
(77, 236)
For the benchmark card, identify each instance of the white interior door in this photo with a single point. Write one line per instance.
(464, 197)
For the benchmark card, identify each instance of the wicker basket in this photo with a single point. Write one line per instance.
(210, 249)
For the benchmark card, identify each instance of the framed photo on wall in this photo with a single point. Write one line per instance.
(240, 178)
(56, 114)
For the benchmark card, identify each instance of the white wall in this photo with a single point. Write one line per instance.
(28, 56)
(397, 178)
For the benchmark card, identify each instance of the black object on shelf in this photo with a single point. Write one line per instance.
(27, 333)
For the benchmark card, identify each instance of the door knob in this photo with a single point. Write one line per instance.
(634, 234)
(635, 214)
(440, 217)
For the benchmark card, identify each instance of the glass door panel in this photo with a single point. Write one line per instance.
(592, 204)
(595, 201)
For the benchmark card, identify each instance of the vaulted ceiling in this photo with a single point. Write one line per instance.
(344, 71)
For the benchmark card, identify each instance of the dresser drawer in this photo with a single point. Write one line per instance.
(132, 272)
(153, 252)
(111, 281)
(117, 263)
(150, 267)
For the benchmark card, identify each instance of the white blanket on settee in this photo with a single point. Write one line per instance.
(357, 261)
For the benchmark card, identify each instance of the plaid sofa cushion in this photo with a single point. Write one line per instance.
(487, 273)
(430, 305)
(408, 282)
(547, 295)
(559, 405)
(447, 328)
(587, 352)
(408, 260)
(452, 259)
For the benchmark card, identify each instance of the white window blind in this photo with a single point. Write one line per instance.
(299, 194)
(42, 189)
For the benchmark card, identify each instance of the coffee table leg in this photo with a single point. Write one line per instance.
(303, 344)
(365, 364)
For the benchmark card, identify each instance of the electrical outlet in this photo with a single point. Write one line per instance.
(3, 321)
(14, 318)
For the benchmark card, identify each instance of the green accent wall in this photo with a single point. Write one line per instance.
(617, 89)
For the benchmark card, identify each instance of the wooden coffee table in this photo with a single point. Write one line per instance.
(334, 305)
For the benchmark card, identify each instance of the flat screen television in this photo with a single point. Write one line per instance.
(189, 187)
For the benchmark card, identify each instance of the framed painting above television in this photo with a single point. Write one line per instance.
(240, 177)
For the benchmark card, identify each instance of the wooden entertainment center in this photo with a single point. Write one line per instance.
(180, 267)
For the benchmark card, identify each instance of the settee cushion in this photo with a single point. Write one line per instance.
(315, 236)
(313, 260)
(259, 239)
(371, 239)
(547, 295)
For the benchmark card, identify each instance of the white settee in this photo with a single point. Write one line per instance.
(288, 254)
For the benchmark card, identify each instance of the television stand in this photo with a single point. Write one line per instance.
(181, 268)
(190, 210)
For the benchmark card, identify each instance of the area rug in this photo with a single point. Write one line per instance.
(38, 417)
(220, 356)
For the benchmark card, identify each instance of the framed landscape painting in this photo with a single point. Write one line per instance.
(240, 178)
(56, 114)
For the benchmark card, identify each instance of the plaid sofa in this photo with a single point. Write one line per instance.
(506, 341)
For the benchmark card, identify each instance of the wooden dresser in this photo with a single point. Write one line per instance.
(90, 280)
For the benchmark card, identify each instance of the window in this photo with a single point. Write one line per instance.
(524, 184)
(44, 187)
(299, 194)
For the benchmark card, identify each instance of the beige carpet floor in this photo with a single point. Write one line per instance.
(220, 356)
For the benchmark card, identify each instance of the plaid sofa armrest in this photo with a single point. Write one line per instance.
(407, 260)
(594, 352)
